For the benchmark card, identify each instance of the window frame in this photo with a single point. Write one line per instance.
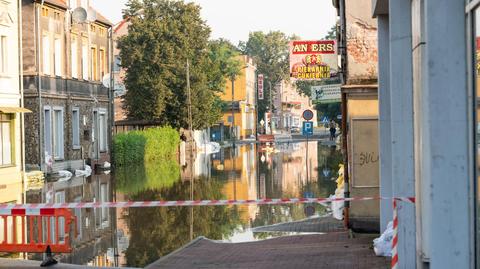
(3, 54)
(74, 55)
(46, 54)
(61, 136)
(57, 59)
(10, 121)
(76, 144)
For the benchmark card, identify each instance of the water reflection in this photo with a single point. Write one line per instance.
(136, 237)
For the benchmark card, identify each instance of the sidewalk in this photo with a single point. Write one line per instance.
(332, 250)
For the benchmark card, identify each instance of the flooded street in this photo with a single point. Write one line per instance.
(138, 236)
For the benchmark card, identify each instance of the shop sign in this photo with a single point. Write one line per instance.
(313, 60)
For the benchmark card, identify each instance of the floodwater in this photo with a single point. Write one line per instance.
(138, 236)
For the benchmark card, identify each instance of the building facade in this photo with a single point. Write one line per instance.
(428, 94)
(11, 105)
(290, 104)
(360, 116)
(243, 104)
(65, 61)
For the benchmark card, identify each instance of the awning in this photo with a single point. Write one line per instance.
(4, 109)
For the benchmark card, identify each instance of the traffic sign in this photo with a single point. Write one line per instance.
(307, 114)
(307, 128)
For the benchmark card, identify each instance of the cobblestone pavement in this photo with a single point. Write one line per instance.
(313, 225)
(333, 251)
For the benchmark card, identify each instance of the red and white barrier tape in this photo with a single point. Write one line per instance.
(4, 207)
(395, 236)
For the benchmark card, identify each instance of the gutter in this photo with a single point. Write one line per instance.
(39, 83)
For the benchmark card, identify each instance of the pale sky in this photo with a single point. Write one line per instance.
(234, 19)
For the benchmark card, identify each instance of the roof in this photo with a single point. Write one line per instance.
(57, 3)
(100, 18)
(119, 25)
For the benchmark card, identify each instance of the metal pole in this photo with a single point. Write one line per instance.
(233, 113)
(270, 107)
(256, 105)
(306, 157)
(190, 127)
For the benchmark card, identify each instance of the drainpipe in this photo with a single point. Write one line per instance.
(111, 97)
(39, 85)
(345, 158)
(20, 85)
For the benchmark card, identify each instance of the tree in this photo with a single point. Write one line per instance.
(162, 36)
(270, 53)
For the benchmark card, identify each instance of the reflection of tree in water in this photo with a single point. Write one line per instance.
(155, 232)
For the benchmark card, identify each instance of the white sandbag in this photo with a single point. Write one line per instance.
(383, 245)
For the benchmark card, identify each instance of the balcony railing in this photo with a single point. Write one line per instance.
(61, 86)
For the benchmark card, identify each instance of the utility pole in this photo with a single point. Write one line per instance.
(190, 129)
(232, 152)
(271, 106)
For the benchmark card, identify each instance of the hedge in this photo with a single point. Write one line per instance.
(146, 145)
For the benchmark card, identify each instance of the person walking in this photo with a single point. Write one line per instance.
(333, 129)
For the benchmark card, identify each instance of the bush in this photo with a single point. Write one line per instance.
(147, 145)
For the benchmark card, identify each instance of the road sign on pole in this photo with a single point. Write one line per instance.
(307, 128)
(307, 115)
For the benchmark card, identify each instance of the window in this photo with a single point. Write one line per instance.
(3, 54)
(74, 57)
(102, 132)
(59, 198)
(76, 128)
(46, 54)
(56, 15)
(45, 11)
(58, 133)
(103, 199)
(101, 31)
(47, 130)
(84, 59)
(103, 63)
(93, 62)
(6, 137)
(57, 56)
(93, 28)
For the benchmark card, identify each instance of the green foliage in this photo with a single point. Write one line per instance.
(150, 175)
(148, 145)
(162, 37)
(270, 53)
(330, 110)
(156, 232)
(223, 62)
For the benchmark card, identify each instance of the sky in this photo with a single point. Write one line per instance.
(235, 19)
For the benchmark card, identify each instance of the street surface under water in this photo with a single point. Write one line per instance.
(138, 236)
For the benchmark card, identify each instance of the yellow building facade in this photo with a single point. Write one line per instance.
(244, 108)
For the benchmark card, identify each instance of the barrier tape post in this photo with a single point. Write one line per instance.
(395, 236)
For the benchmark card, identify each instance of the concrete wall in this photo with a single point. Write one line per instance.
(361, 37)
(363, 104)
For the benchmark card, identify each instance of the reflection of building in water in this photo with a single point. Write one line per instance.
(95, 227)
(294, 167)
(240, 172)
(123, 232)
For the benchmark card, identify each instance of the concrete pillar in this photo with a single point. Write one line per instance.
(402, 132)
(384, 120)
(447, 136)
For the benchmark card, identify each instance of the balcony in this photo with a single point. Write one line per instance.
(61, 86)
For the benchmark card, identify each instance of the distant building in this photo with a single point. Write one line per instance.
(289, 106)
(64, 62)
(243, 105)
(120, 29)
